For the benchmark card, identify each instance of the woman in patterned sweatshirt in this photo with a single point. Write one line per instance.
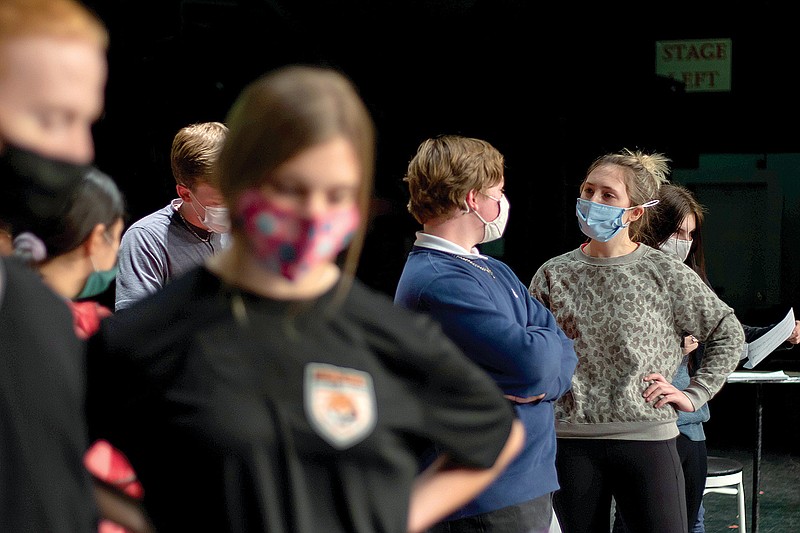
(626, 306)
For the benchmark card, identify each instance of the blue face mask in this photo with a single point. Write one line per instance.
(601, 222)
(98, 282)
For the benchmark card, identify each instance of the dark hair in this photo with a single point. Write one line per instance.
(676, 202)
(96, 200)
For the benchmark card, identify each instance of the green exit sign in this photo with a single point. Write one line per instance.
(702, 65)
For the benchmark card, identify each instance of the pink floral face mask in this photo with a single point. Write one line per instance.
(291, 245)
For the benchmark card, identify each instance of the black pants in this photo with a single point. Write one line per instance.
(694, 460)
(645, 478)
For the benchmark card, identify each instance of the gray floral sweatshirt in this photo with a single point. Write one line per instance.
(627, 316)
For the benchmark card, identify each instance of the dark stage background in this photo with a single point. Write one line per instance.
(551, 86)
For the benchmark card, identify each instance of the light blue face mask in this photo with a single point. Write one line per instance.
(601, 222)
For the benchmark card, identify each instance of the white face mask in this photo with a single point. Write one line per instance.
(677, 246)
(494, 230)
(216, 219)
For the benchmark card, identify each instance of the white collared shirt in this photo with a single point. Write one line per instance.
(426, 240)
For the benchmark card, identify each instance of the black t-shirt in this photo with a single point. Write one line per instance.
(43, 484)
(294, 418)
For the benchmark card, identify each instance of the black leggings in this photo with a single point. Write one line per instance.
(694, 458)
(695, 468)
(645, 478)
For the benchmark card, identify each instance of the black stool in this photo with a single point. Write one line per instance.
(725, 477)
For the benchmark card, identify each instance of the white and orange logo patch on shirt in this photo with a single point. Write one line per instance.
(340, 403)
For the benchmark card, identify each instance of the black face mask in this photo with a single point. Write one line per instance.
(35, 188)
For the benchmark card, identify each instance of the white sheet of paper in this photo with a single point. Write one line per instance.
(741, 375)
(766, 344)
